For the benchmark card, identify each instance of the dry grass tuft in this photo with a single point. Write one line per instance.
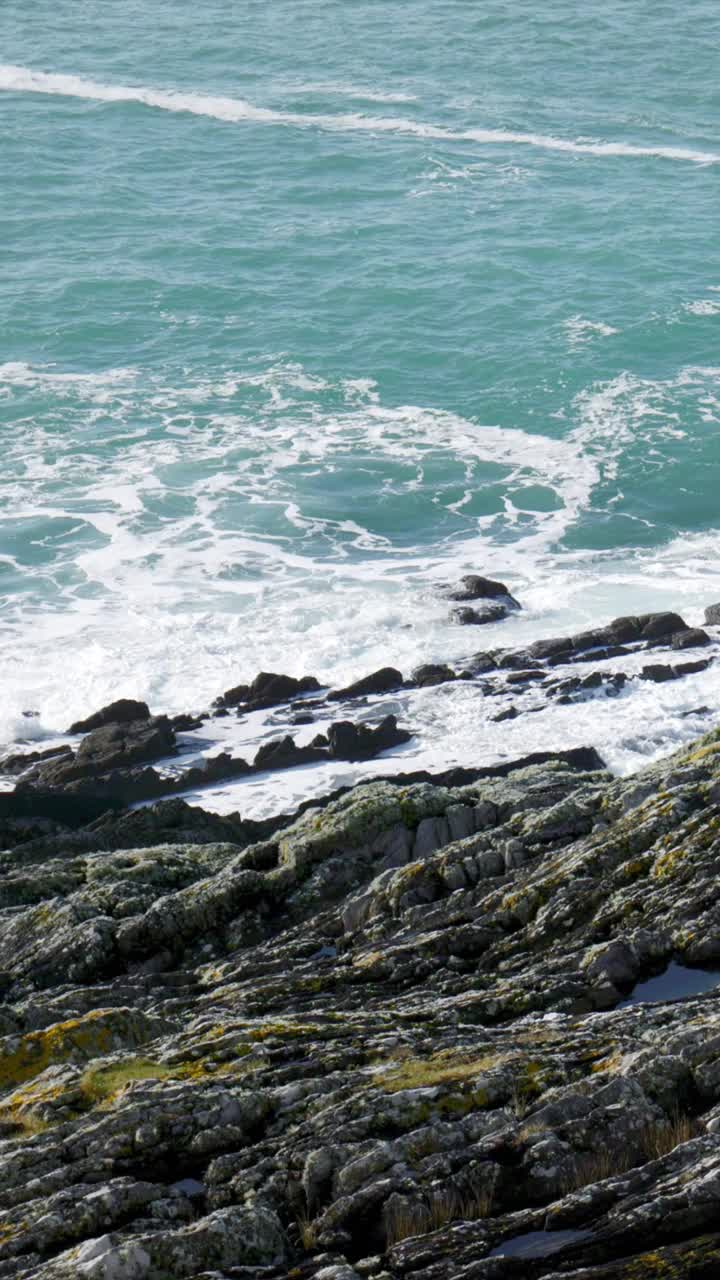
(439, 1068)
(655, 1141)
(440, 1207)
(309, 1231)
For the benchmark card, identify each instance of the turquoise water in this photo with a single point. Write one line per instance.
(308, 307)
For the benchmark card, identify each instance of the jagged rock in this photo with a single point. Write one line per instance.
(384, 1039)
(268, 689)
(21, 761)
(359, 742)
(283, 753)
(114, 746)
(712, 615)
(124, 711)
(386, 680)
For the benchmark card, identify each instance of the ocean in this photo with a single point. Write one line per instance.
(309, 308)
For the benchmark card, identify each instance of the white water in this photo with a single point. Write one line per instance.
(14, 79)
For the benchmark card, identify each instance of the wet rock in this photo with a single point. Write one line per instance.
(124, 711)
(433, 673)
(268, 689)
(386, 680)
(114, 746)
(20, 761)
(712, 615)
(510, 713)
(692, 638)
(283, 753)
(475, 587)
(468, 617)
(185, 723)
(658, 672)
(691, 668)
(349, 741)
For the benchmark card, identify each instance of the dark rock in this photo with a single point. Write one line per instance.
(510, 713)
(268, 689)
(21, 761)
(360, 742)
(213, 769)
(482, 662)
(283, 753)
(691, 668)
(54, 806)
(185, 723)
(432, 673)
(166, 821)
(114, 746)
(557, 648)
(124, 711)
(658, 626)
(468, 617)
(383, 681)
(520, 660)
(658, 672)
(712, 615)
(525, 676)
(475, 587)
(693, 638)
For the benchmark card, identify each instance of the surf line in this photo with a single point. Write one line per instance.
(14, 79)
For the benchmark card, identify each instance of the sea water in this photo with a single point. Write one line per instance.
(308, 308)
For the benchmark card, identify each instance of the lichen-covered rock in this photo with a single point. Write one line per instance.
(382, 1039)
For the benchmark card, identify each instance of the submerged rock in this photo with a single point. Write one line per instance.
(475, 587)
(468, 617)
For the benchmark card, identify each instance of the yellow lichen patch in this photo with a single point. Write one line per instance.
(440, 1068)
(99, 1083)
(703, 753)
(668, 863)
(284, 1031)
(634, 868)
(23, 1057)
(105, 1084)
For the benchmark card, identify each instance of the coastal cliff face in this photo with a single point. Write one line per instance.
(394, 1038)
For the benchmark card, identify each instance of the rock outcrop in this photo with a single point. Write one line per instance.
(399, 1036)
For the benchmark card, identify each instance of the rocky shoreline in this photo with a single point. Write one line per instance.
(399, 1034)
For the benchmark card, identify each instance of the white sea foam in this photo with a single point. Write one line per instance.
(581, 331)
(241, 570)
(341, 89)
(703, 307)
(17, 79)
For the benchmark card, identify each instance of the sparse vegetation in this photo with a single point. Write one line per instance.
(99, 1083)
(651, 1143)
(439, 1207)
(439, 1068)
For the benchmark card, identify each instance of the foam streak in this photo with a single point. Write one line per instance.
(15, 79)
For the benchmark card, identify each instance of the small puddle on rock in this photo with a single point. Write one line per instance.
(675, 982)
(537, 1244)
(189, 1187)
